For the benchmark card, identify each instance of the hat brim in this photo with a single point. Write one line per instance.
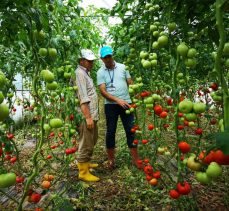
(90, 58)
(108, 54)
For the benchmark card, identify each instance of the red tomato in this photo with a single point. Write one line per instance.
(157, 174)
(7, 157)
(1, 151)
(148, 169)
(135, 142)
(170, 101)
(19, 179)
(209, 158)
(186, 123)
(144, 141)
(184, 188)
(143, 94)
(184, 147)
(68, 151)
(13, 159)
(148, 177)
(163, 114)
(165, 125)
(199, 131)
(158, 109)
(10, 136)
(133, 130)
(74, 149)
(214, 86)
(49, 157)
(71, 117)
(174, 194)
(146, 160)
(213, 121)
(35, 197)
(150, 127)
(180, 114)
(180, 127)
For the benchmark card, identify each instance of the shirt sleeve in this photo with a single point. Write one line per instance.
(127, 74)
(100, 78)
(82, 88)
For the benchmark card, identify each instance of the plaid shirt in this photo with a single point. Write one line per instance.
(87, 92)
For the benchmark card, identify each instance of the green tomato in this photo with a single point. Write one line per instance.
(191, 124)
(143, 55)
(4, 112)
(227, 66)
(46, 127)
(148, 100)
(182, 49)
(131, 91)
(43, 52)
(185, 106)
(72, 131)
(214, 170)
(127, 111)
(156, 33)
(52, 52)
(226, 49)
(199, 107)
(2, 81)
(56, 123)
(153, 63)
(146, 64)
(162, 40)
(52, 86)
(139, 79)
(172, 26)
(193, 164)
(153, 27)
(191, 116)
(67, 75)
(191, 53)
(180, 75)
(47, 75)
(203, 178)
(7, 180)
(131, 110)
(152, 56)
(190, 62)
(10, 94)
(155, 45)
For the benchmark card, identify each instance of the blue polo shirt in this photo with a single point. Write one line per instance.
(119, 77)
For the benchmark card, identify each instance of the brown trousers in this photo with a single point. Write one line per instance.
(87, 140)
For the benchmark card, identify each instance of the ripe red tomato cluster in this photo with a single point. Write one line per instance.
(70, 150)
(218, 157)
(182, 189)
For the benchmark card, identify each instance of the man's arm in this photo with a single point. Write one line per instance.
(86, 112)
(123, 103)
(129, 81)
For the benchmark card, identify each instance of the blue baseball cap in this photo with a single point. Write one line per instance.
(106, 50)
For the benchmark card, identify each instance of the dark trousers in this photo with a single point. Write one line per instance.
(112, 112)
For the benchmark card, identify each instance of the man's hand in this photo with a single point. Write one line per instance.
(90, 123)
(123, 103)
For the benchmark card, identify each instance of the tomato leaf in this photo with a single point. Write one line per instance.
(222, 142)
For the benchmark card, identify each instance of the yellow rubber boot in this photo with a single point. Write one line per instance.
(93, 165)
(84, 173)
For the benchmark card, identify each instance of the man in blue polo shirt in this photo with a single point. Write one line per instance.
(113, 80)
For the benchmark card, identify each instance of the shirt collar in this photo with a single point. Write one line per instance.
(84, 69)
